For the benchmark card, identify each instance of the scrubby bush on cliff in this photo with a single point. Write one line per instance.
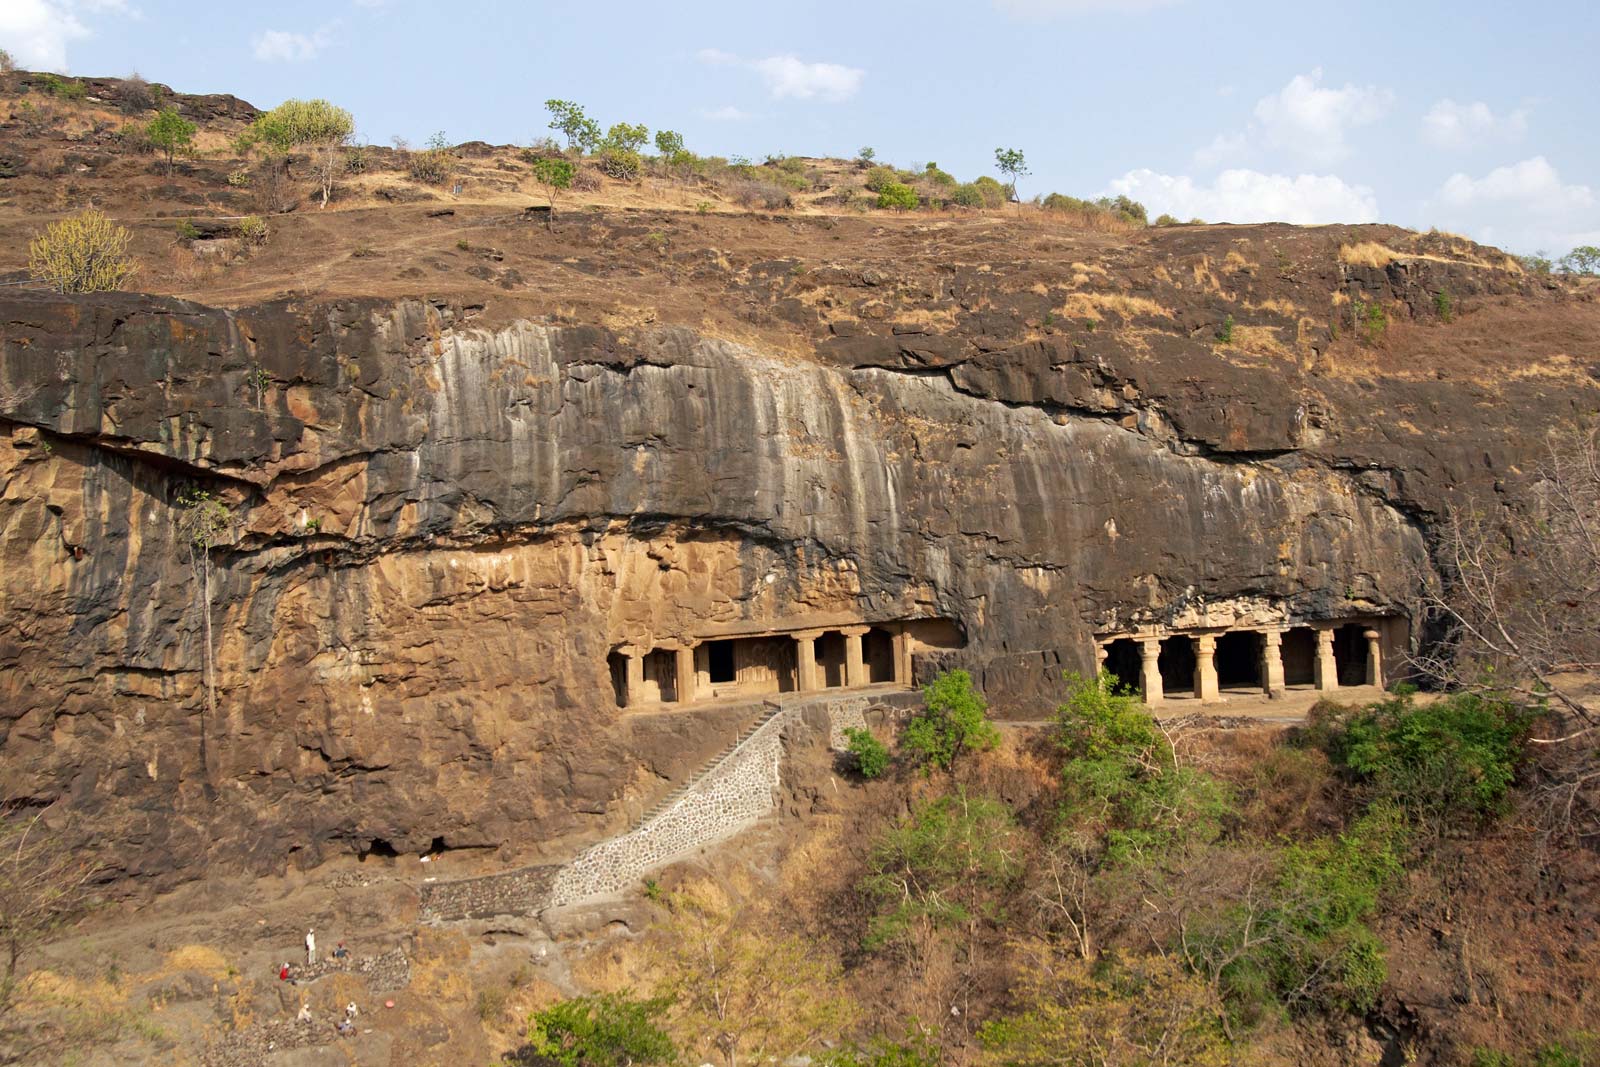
(897, 197)
(916, 1049)
(946, 866)
(622, 164)
(1585, 259)
(740, 990)
(753, 194)
(86, 253)
(953, 720)
(1448, 761)
(602, 1030)
(871, 755)
(880, 178)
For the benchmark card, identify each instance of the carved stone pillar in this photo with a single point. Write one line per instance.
(902, 658)
(1150, 670)
(1327, 672)
(685, 672)
(1374, 659)
(855, 670)
(805, 660)
(1100, 654)
(1205, 669)
(633, 680)
(1272, 662)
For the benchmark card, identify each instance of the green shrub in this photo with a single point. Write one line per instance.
(878, 178)
(915, 1050)
(937, 176)
(1167, 220)
(624, 164)
(872, 755)
(1444, 306)
(602, 1030)
(669, 143)
(1536, 263)
(944, 866)
(1120, 779)
(64, 88)
(952, 721)
(1585, 259)
(491, 1003)
(582, 132)
(994, 194)
(186, 230)
(355, 159)
(628, 137)
(1128, 211)
(1451, 760)
(967, 195)
(253, 229)
(898, 197)
(1225, 335)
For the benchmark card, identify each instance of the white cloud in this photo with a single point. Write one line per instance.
(725, 113)
(1303, 119)
(1522, 207)
(282, 46)
(1311, 121)
(789, 76)
(1451, 125)
(1251, 196)
(37, 32)
(1045, 9)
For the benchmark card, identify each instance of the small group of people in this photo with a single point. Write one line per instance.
(345, 1027)
(286, 972)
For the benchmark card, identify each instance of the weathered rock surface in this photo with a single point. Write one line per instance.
(438, 532)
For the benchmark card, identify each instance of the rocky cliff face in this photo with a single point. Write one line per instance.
(436, 531)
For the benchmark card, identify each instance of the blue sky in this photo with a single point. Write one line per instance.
(1475, 117)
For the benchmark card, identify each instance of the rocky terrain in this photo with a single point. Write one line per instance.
(461, 455)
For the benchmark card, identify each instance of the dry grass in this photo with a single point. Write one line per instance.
(202, 958)
(1260, 341)
(1367, 254)
(1088, 305)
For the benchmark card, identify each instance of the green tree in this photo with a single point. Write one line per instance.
(86, 253)
(669, 143)
(943, 867)
(1585, 259)
(203, 521)
(316, 125)
(555, 175)
(627, 136)
(582, 132)
(1011, 163)
(602, 1030)
(952, 721)
(171, 133)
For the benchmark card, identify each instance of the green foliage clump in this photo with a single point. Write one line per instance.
(171, 133)
(582, 132)
(1369, 319)
(1139, 1012)
(937, 176)
(942, 867)
(1444, 306)
(953, 720)
(64, 88)
(1120, 777)
(916, 1049)
(432, 166)
(898, 197)
(1225, 335)
(1010, 162)
(295, 123)
(253, 229)
(880, 178)
(1167, 220)
(1536, 263)
(669, 143)
(967, 195)
(871, 755)
(1447, 761)
(86, 253)
(1307, 942)
(1585, 259)
(1121, 208)
(602, 1030)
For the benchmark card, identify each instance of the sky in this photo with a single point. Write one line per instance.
(1473, 117)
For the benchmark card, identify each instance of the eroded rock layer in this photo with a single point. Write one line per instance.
(436, 533)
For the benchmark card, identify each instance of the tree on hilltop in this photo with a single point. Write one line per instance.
(554, 175)
(313, 124)
(581, 131)
(1012, 164)
(171, 133)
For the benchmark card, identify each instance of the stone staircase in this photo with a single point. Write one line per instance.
(732, 789)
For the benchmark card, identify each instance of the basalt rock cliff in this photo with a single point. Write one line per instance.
(439, 521)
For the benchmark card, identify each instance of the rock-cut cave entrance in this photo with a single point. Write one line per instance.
(1125, 664)
(1238, 659)
(1300, 656)
(1350, 654)
(877, 655)
(1177, 664)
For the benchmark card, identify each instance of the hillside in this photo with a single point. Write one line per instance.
(431, 524)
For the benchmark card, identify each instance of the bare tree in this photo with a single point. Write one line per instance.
(42, 885)
(1519, 594)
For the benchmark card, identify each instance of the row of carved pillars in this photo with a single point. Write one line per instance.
(1206, 687)
(807, 678)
